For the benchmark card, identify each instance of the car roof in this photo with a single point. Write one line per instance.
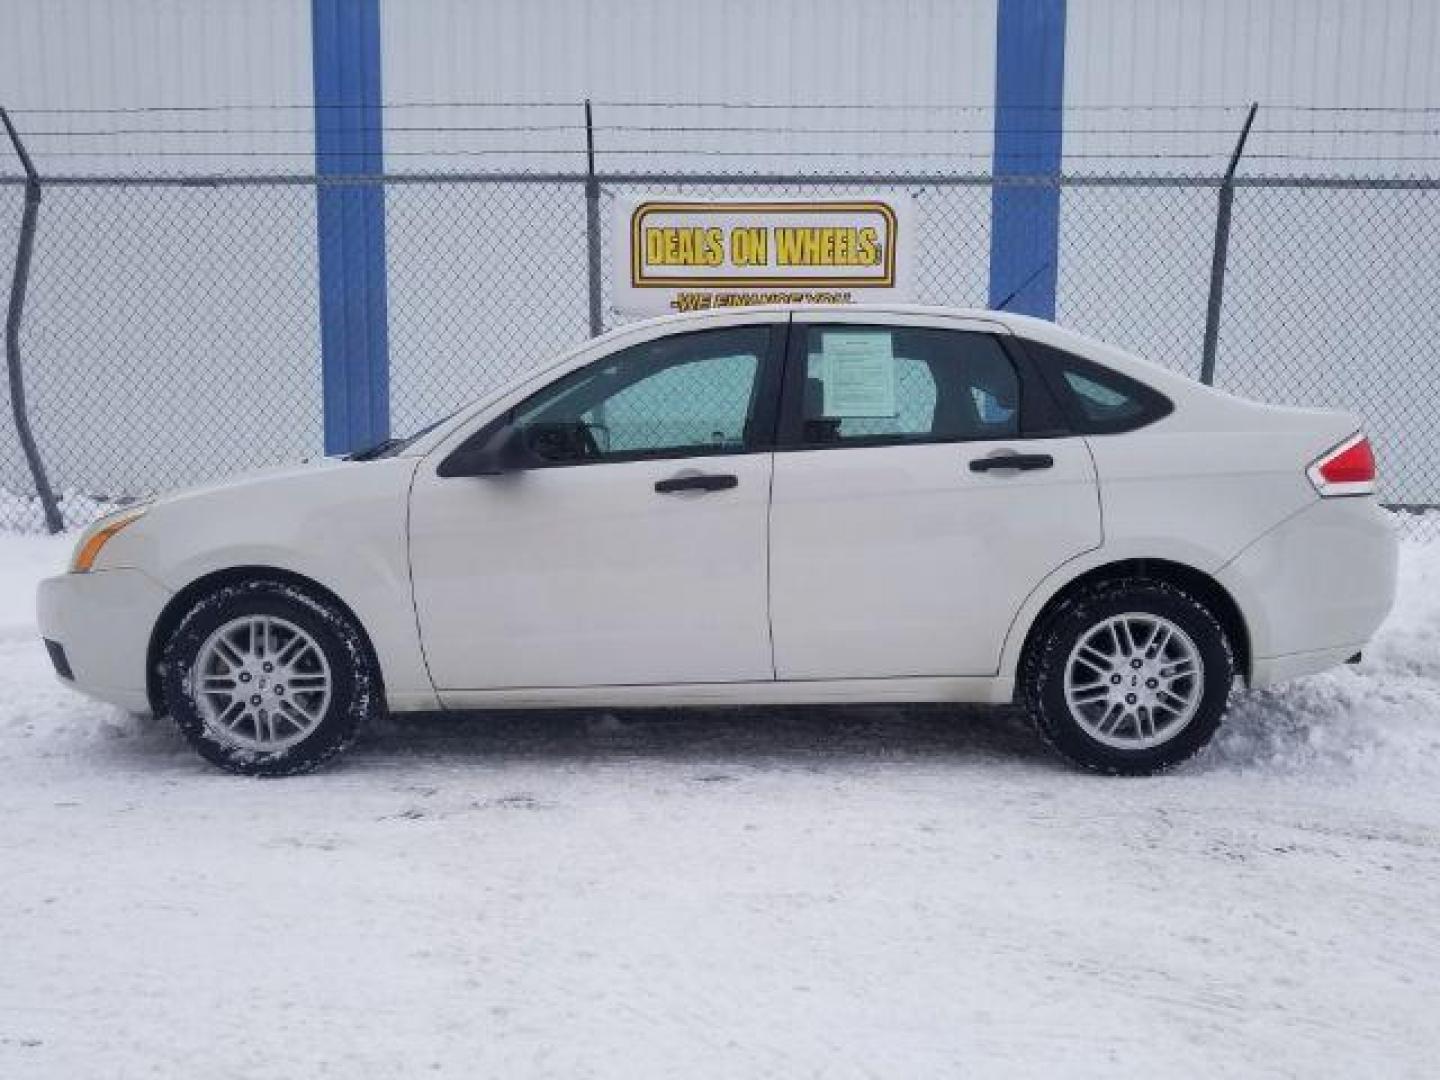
(871, 308)
(1026, 326)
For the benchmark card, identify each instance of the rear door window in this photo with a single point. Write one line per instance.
(866, 385)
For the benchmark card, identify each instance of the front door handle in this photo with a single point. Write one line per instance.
(697, 482)
(1012, 461)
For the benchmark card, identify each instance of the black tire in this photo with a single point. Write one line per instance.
(355, 693)
(1042, 675)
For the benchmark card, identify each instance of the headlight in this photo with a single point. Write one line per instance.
(93, 539)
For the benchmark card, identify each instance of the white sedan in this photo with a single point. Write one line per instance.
(868, 504)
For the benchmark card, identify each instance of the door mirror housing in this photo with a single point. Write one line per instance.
(516, 447)
(506, 450)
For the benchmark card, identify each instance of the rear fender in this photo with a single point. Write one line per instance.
(1165, 549)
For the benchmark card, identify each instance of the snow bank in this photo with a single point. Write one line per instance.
(1379, 716)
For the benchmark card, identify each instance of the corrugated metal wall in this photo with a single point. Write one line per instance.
(1311, 52)
(900, 52)
(98, 53)
(200, 55)
(666, 79)
(1195, 65)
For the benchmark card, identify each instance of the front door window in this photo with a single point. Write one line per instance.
(693, 394)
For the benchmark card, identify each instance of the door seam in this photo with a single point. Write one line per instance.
(769, 593)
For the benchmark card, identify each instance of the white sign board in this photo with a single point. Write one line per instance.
(858, 369)
(693, 255)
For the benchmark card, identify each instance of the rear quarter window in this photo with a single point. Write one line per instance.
(1096, 400)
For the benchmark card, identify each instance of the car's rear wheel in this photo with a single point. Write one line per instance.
(1128, 676)
(266, 680)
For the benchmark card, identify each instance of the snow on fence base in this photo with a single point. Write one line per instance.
(24, 514)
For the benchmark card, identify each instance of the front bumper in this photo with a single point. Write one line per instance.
(1315, 588)
(102, 621)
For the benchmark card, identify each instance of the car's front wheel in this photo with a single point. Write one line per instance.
(266, 680)
(1128, 676)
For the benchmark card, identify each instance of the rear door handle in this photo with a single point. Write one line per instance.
(698, 482)
(1022, 462)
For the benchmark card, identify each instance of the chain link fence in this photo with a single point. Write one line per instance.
(171, 333)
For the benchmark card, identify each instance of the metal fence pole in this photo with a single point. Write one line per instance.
(1222, 248)
(18, 283)
(592, 224)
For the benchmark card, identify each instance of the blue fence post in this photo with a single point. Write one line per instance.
(350, 219)
(1029, 92)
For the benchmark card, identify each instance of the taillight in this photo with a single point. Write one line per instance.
(1349, 469)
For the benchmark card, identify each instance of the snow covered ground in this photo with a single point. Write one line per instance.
(801, 893)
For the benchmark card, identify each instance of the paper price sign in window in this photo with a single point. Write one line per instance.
(859, 372)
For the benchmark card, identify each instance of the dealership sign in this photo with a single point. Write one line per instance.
(693, 255)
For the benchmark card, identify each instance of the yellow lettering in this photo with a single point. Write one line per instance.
(673, 246)
(749, 246)
(713, 249)
(795, 246)
(869, 250)
(691, 301)
(826, 246)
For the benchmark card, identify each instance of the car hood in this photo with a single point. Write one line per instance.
(303, 468)
(281, 517)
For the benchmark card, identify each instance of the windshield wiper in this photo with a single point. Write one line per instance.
(380, 449)
(394, 444)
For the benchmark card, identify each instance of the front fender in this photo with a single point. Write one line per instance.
(342, 526)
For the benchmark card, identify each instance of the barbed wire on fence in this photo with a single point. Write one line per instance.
(1185, 137)
(1137, 108)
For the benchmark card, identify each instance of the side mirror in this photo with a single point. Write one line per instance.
(507, 450)
(515, 448)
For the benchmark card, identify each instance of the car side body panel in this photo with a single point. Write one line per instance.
(984, 690)
(1217, 493)
(586, 576)
(339, 524)
(1317, 586)
(902, 561)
